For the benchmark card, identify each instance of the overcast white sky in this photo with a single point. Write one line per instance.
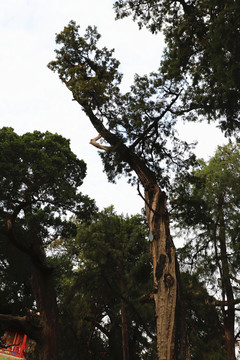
(33, 98)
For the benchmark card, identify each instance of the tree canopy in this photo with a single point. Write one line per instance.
(195, 81)
(201, 53)
(40, 179)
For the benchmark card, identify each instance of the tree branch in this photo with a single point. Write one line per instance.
(126, 154)
(154, 123)
(216, 302)
(23, 325)
(99, 146)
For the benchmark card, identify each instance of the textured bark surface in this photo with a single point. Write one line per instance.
(171, 334)
(227, 293)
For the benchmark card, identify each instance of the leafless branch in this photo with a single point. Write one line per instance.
(97, 145)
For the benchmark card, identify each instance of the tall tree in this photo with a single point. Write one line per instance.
(201, 55)
(39, 181)
(106, 273)
(208, 205)
(139, 138)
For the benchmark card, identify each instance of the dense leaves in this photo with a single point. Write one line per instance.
(15, 294)
(40, 177)
(39, 189)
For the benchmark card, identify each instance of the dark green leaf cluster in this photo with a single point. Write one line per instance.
(15, 290)
(40, 176)
(150, 13)
(211, 189)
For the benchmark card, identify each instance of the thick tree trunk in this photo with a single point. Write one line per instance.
(172, 343)
(172, 340)
(44, 294)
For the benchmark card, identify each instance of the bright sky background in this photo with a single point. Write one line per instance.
(33, 98)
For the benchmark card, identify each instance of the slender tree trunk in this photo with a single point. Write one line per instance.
(125, 346)
(172, 343)
(229, 313)
(44, 294)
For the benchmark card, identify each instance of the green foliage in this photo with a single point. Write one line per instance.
(90, 73)
(15, 293)
(201, 54)
(139, 119)
(107, 262)
(199, 199)
(39, 186)
(208, 205)
(203, 321)
(40, 170)
(39, 166)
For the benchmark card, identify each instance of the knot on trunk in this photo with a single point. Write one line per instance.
(168, 280)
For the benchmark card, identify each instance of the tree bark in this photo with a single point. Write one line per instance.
(172, 342)
(229, 313)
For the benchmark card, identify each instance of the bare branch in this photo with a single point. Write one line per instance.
(99, 146)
